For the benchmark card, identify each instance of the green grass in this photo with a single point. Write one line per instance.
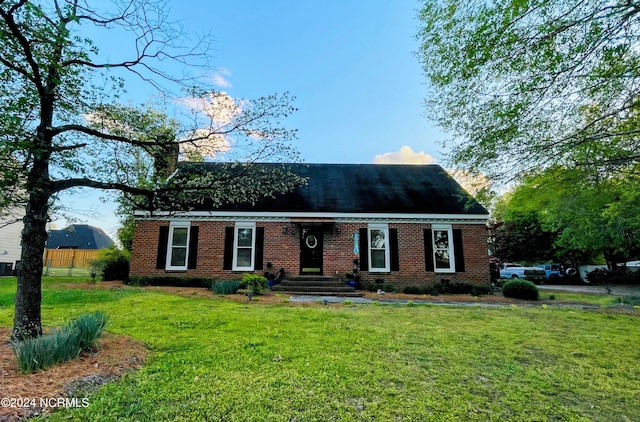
(591, 299)
(213, 359)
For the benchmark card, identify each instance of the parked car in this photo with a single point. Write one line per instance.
(512, 270)
(554, 272)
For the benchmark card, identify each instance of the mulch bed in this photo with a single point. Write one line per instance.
(117, 355)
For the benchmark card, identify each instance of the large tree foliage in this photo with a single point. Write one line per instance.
(584, 221)
(527, 84)
(62, 126)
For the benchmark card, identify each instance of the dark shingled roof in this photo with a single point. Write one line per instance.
(78, 236)
(365, 188)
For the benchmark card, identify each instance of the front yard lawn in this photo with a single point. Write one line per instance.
(215, 359)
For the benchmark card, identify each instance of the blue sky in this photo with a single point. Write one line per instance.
(349, 63)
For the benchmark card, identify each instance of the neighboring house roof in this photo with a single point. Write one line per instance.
(78, 236)
(358, 188)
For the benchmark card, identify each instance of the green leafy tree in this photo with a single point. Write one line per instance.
(589, 220)
(62, 125)
(521, 237)
(522, 84)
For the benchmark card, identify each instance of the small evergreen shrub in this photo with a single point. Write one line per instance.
(114, 264)
(61, 344)
(172, 281)
(448, 289)
(412, 290)
(480, 290)
(598, 276)
(254, 283)
(520, 289)
(227, 287)
(601, 276)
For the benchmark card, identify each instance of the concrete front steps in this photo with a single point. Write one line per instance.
(315, 286)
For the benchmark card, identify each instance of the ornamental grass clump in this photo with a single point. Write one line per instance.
(87, 329)
(61, 344)
(520, 289)
(227, 287)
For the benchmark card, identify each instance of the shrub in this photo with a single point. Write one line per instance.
(520, 289)
(625, 276)
(172, 281)
(480, 290)
(598, 276)
(114, 264)
(449, 288)
(227, 287)
(61, 344)
(412, 290)
(254, 283)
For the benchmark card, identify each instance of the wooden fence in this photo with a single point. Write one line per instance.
(70, 258)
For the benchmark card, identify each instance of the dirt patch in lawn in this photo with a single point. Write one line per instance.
(117, 355)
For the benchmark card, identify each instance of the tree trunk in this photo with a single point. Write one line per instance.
(28, 320)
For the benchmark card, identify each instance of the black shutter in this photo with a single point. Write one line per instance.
(193, 247)
(364, 250)
(428, 251)
(259, 248)
(393, 252)
(163, 240)
(458, 252)
(227, 262)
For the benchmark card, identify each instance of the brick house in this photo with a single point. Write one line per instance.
(407, 225)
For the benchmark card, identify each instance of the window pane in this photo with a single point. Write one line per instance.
(178, 257)
(244, 237)
(442, 259)
(180, 236)
(377, 259)
(441, 239)
(244, 257)
(377, 239)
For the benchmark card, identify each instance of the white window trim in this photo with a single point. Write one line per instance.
(238, 226)
(174, 225)
(452, 257)
(387, 254)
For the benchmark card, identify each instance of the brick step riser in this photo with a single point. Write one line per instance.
(305, 279)
(312, 283)
(277, 288)
(338, 294)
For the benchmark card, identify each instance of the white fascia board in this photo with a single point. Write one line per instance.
(337, 217)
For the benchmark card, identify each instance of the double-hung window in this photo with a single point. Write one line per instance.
(244, 246)
(178, 246)
(378, 247)
(443, 255)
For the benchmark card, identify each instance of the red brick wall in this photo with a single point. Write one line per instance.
(283, 251)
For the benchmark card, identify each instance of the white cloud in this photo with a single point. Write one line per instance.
(216, 113)
(220, 78)
(472, 183)
(405, 156)
(219, 107)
